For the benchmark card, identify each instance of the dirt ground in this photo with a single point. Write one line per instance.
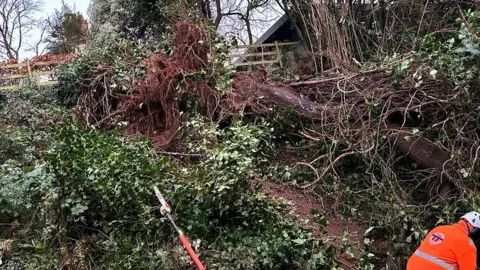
(303, 204)
(5, 225)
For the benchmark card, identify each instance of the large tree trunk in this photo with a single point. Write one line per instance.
(260, 96)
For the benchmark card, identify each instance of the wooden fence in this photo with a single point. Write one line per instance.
(28, 70)
(267, 50)
(11, 75)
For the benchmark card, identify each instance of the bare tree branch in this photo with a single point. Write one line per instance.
(243, 17)
(37, 47)
(16, 21)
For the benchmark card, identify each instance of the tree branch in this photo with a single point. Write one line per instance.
(16, 20)
(319, 178)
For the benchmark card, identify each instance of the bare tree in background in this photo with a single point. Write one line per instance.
(236, 16)
(16, 21)
(38, 48)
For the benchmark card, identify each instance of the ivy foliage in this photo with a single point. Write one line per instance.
(94, 183)
(143, 20)
(97, 187)
(111, 63)
(456, 57)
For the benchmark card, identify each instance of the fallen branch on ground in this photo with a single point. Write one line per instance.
(315, 82)
(319, 178)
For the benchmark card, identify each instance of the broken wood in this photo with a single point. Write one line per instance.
(284, 97)
(423, 151)
(314, 82)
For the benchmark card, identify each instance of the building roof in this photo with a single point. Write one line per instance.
(269, 32)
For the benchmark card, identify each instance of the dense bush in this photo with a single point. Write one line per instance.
(26, 120)
(101, 177)
(111, 64)
(97, 188)
(457, 57)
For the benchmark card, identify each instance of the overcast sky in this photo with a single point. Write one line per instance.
(49, 7)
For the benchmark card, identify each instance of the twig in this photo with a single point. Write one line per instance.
(318, 158)
(470, 31)
(179, 154)
(343, 78)
(304, 134)
(474, 160)
(310, 166)
(108, 117)
(421, 21)
(314, 82)
(333, 163)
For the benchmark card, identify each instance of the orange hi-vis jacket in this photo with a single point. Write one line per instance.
(445, 248)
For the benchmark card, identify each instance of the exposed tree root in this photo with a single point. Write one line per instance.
(357, 110)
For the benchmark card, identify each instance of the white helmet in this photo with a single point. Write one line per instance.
(472, 218)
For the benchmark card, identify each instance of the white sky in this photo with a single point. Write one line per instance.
(49, 7)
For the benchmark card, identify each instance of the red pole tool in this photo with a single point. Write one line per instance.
(165, 210)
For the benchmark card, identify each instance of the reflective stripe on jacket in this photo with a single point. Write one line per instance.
(445, 248)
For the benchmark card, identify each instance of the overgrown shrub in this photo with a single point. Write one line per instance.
(110, 65)
(246, 220)
(17, 184)
(26, 118)
(101, 177)
(98, 188)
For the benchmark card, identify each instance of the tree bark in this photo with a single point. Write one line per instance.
(202, 9)
(424, 152)
(249, 30)
(218, 17)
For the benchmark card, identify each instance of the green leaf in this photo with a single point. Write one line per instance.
(323, 221)
(405, 64)
(368, 230)
(409, 239)
(350, 252)
(299, 241)
(29, 168)
(78, 209)
(465, 172)
(366, 241)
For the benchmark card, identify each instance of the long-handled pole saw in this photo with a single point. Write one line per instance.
(165, 210)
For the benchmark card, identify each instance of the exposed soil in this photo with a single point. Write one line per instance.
(303, 204)
(5, 227)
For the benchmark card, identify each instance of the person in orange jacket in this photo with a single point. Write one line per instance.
(448, 247)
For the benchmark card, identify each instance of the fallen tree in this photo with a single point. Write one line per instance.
(359, 110)
(426, 153)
